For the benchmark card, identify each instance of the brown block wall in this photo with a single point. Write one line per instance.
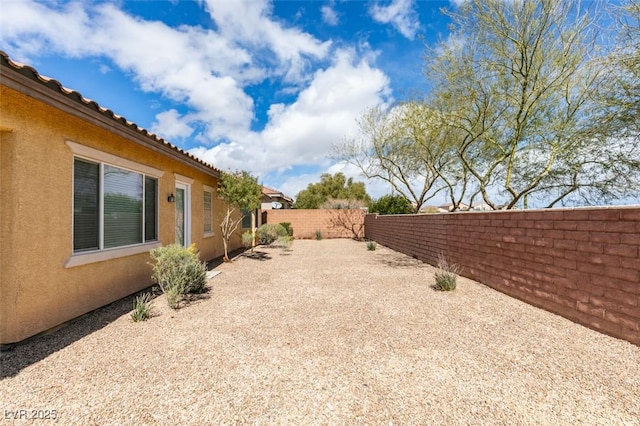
(306, 222)
(583, 264)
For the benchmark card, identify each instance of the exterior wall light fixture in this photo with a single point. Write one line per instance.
(171, 198)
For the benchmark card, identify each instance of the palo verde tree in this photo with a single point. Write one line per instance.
(242, 193)
(332, 188)
(406, 146)
(621, 93)
(517, 82)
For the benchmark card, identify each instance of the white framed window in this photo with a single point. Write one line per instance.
(112, 207)
(207, 196)
(115, 206)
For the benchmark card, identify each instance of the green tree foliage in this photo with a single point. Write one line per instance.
(242, 192)
(391, 204)
(518, 83)
(336, 187)
(621, 93)
(407, 146)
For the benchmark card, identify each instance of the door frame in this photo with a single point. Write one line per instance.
(186, 187)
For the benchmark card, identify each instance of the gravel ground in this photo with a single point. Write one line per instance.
(326, 333)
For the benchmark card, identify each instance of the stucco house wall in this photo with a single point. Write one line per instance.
(42, 282)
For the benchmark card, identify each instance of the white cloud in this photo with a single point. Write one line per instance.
(104, 69)
(400, 14)
(170, 125)
(304, 131)
(249, 22)
(62, 29)
(293, 185)
(329, 15)
(188, 65)
(208, 71)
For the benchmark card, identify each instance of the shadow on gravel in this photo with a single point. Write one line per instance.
(15, 358)
(256, 255)
(402, 262)
(191, 299)
(213, 264)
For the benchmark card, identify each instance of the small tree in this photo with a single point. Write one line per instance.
(518, 84)
(406, 146)
(391, 204)
(242, 192)
(336, 187)
(351, 220)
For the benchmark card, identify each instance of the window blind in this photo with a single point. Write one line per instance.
(86, 214)
(122, 207)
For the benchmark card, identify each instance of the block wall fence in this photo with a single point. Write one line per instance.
(583, 263)
(305, 222)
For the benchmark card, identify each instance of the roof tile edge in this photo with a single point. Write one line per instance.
(53, 84)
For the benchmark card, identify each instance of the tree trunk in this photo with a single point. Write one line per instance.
(226, 252)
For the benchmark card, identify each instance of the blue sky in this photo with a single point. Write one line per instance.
(262, 86)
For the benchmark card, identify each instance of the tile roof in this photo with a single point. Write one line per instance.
(50, 83)
(274, 193)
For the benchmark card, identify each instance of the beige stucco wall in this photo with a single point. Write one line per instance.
(37, 291)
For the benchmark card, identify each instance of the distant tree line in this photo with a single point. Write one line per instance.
(338, 192)
(333, 191)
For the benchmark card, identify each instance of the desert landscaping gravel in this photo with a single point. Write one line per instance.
(325, 333)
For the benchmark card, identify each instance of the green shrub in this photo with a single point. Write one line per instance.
(247, 239)
(178, 271)
(288, 228)
(269, 232)
(142, 309)
(318, 234)
(284, 242)
(174, 296)
(447, 275)
(371, 245)
(391, 204)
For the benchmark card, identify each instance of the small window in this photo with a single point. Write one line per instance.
(246, 219)
(86, 205)
(150, 209)
(208, 212)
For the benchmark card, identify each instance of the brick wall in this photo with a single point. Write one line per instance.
(332, 223)
(583, 264)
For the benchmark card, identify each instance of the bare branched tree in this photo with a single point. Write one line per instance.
(350, 220)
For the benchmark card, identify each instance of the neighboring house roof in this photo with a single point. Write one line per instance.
(449, 207)
(27, 80)
(274, 193)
